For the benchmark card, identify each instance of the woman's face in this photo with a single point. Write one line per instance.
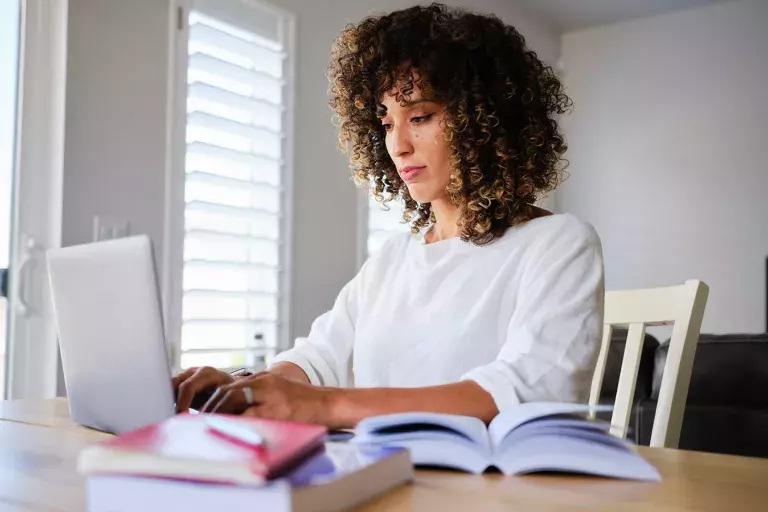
(417, 146)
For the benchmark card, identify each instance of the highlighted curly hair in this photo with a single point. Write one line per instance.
(500, 105)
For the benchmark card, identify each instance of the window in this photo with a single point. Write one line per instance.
(10, 17)
(383, 223)
(236, 165)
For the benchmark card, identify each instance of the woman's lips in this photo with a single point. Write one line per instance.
(410, 172)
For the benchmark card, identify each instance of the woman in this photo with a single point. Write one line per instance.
(491, 301)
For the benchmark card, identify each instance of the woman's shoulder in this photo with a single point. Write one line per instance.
(554, 229)
(560, 223)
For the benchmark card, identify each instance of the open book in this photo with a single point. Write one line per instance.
(532, 437)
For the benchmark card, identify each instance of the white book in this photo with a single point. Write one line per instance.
(533, 437)
(344, 476)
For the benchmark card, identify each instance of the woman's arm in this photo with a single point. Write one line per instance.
(289, 371)
(467, 398)
(553, 337)
(277, 397)
(324, 357)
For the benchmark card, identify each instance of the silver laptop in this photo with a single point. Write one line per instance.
(113, 351)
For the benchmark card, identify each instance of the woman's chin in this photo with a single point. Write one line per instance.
(421, 194)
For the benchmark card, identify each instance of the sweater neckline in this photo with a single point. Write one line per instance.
(432, 252)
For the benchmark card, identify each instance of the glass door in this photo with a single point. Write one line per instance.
(33, 39)
(9, 74)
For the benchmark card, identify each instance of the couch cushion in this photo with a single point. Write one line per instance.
(613, 366)
(732, 430)
(728, 370)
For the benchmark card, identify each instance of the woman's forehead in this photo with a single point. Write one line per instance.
(392, 103)
(406, 97)
(401, 95)
(403, 85)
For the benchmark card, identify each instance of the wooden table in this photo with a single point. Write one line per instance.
(39, 446)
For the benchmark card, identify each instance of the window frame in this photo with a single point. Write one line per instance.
(173, 260)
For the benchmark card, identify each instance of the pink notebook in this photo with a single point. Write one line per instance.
(184, 447)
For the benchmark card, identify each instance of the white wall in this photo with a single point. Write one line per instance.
(115, 147)
(667, 150)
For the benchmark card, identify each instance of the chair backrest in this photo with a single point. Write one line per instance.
(682, 306)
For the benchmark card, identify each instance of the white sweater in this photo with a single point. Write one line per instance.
(521, 316)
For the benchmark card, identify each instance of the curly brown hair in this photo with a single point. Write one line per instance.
(500, 105)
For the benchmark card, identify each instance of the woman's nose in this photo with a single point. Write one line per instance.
(401, 143)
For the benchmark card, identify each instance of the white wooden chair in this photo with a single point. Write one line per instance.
(635, 309)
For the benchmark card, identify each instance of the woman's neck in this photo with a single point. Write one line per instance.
(446, 221)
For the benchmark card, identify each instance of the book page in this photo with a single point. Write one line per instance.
(508, 420)
(583, 454)
(560, 426)
(425, 425)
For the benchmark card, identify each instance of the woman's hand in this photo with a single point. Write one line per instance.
(193, 387)
(275, 397)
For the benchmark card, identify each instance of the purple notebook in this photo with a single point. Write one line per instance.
(336, 461)
(339, 477)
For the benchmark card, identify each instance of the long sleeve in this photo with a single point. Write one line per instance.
(553, 337)
(325, 354)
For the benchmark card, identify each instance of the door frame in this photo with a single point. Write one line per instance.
(32, 358)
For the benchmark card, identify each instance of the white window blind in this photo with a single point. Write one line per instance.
(233, 276)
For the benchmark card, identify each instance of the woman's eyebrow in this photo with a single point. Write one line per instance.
(382, 113)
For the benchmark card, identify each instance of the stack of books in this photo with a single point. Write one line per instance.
(219, 462)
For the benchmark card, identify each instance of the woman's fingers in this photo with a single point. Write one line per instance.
(181, 377)
(190, 387)
(271, 396)
(202, 379)
(245, 392)
(254, 411)
(255, 382)
(230, 398)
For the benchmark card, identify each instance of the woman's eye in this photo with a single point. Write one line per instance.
(415, 120)
(421, 119)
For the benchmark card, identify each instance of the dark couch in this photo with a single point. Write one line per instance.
(727, 406)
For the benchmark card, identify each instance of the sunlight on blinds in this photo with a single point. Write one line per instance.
(233, 195)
